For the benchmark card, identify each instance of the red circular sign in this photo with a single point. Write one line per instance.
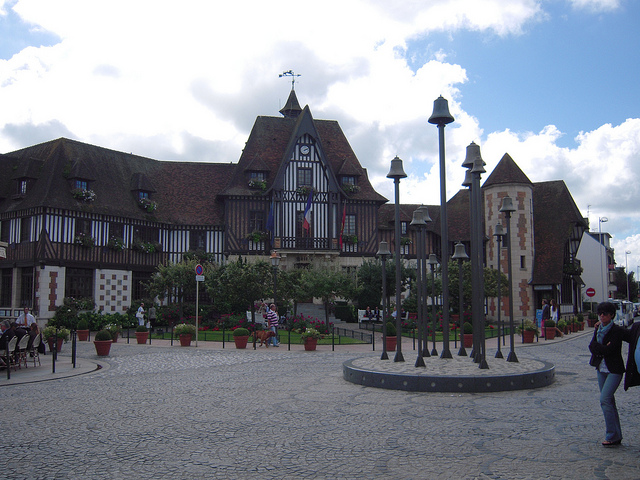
(590, 292)
(199, 269)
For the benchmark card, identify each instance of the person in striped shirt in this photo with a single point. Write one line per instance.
(272, 319)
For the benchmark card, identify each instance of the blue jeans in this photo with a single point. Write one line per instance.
(274, 340)
(608, 383)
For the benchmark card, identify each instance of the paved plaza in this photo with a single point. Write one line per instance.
(169, 412)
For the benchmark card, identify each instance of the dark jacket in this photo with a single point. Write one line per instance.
(632, 377)
(546, 312)
(610, 350)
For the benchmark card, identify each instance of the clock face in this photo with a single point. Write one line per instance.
(304, 150)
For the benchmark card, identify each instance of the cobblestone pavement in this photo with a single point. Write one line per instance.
(189, 413)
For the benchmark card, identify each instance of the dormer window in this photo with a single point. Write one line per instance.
(81, 184)
(142, 195)
(348, 184)
(22, 187)
(348, 180)
(81, 191)
(258, 176)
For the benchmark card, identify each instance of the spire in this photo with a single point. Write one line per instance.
(292, 107)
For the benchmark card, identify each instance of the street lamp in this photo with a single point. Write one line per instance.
(384, 253)
(433, 261)
(442, 117)
(499, 233)
(475, 165)
(626, 271)
(427, 218)
(460, 254)
(396, 172)
(602, 220)
(507, 208)
(419, 221)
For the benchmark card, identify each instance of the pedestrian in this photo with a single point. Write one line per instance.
(632, 376)
(140, 314)
(555, 311)
(606, 357)
(272, 321)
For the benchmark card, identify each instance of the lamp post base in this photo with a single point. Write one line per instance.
(462, 352)
(512, 357)
(384, 356)
(420, 362)
(499, 353)
(398, 357)
(446, 354)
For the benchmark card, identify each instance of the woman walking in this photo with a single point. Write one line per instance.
(606, 356)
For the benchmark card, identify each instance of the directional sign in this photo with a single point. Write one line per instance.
(199, 270)
(590, 292)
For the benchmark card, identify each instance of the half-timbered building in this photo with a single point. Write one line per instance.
(78, 220)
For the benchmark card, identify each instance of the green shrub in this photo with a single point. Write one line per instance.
(468, 328)
(141, 328)
(549, 323)
(184, 329)
(391, 329)
(50, 331)
(102, 336)
(241, 332)
(82, 324)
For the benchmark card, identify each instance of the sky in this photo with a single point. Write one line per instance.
(553, 83)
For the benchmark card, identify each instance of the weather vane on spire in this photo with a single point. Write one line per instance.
(293, 76)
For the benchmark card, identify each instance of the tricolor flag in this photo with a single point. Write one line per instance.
(270, 223)
(306, 224)
(344, 216)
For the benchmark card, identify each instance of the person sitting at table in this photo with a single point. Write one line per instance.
(368, 314)
(34, 331)
(376, 314)
(7, 334)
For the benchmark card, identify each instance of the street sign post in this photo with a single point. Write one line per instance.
(590, 292)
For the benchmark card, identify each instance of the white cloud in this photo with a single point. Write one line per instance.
(595, 5)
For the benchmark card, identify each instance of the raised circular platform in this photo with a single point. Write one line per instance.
(457, 374)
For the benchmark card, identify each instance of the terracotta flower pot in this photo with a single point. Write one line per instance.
(527, 336)
(142, 337)
(102, 347)
(115, 337)
(550, 333)
(391, 343)
(467, 339)
(51, 341)
(185, 340)
(241, 341)
(83, 335)
(311, 343)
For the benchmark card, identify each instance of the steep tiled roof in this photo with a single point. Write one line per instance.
(269, 140)
(185, 192)
(506, 172)
(555, 214)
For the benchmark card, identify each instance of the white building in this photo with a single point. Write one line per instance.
(596, 255)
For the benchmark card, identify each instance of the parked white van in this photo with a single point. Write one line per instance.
(624, 312)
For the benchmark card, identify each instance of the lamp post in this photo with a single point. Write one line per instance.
(507, 208)
(427, 218)
(460, 255)
(420, 223)
(384, 253)
(275, 261)
(433, 261)
(626, 271)
(396, 172)
(441, 117)
(602, 220)
(499, 233)
(475, 165)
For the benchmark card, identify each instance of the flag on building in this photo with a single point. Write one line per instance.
(344, 216)
(270, 223)
(306, 224)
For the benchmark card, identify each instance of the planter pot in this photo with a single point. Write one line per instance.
(311, 343)
(142, 337)
(527, 336)
(51, 341)
(467, 340)
(581, 326)
(549, 333)
(83, 335)
(591, 322)
(391, 343)
(102, 347)
(115, 338)
(185, 340)
(241, 341)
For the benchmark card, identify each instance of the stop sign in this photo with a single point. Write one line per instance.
(590, 292)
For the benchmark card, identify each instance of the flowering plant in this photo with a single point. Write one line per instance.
(147, 204)
(184, 329)
(310, 333)
(304, 190)
(350, 188)
(83, 195)
(84, 240)
(115, 244)
(113, 329)
(258, 184)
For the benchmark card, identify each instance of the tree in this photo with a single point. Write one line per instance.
(327, 284)
(177, 281)
(620, 280)
(369, 288)
(238, 285)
